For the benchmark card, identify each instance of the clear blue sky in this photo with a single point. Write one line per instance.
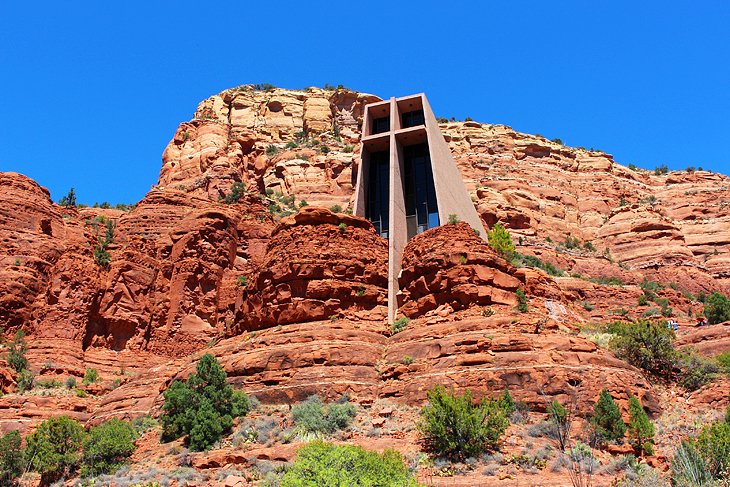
(92, 91)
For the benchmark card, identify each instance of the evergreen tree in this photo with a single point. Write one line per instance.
(11, 458)
(607, 418)
(203, 407)
(69, 199)
(717, 308)
(17, 350)
(641, 430)
(54, 448)
(500, 240)
(107, 447)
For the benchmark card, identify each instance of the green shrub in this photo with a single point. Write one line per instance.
(336, 209)
(641, 430)
(203, 407)
(532, 261)
(522, 305)
(272, 150)
(713, 444)
(16, 352)
(342, 227)
(348, 148)
(313, 416)
(324, 464)
(507, 403)
(25, 380)
(54, 448)
(400, 324)
(643, 300)
(407, 360)
(453, 219)
(238, 190)
(499, 239)
(242, 281)
(560, 421)
(12, 460)
(688, 466)
(108, 446)
(90, 376)
(453, 426)
(69, 199)
(645, 344)
(717, 308)
(662, 169)
(607, 419)
(696, 371)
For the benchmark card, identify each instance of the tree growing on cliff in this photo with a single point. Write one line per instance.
(202, 407)
(11, 458)
(454, 426)
(641, 430)
(645, 344)
(499, 239)
(69, 199)
(54, 448)
(16, 352)
(606, 419)
(717, 308)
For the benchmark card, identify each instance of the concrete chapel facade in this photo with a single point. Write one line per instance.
(407, 181)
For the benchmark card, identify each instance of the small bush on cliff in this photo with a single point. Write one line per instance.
(320, 463)
(641, 430)
(400, 324)
(238, 190)
(453, 219)
(559, 419)
(90, 376)
(522, 305)
(717, 308)
(606, 420)
(500, 240)
(16, 352)
(12, 459)
(645, 344)
(69, 199)
(314, 417)
(108, 447)
(203, 407)
(54, 448)
(455, 427)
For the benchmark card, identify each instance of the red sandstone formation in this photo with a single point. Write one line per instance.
(296, 305)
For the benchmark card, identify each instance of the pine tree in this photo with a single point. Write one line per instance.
(641, 430)
(607, 418)
(500, 240)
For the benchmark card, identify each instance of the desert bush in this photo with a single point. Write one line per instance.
(400, 324)
(238, 190)
(696, 370)
(16, 352)
(12, 459)
(71, 382)
(90, 376)
(662, 169)
(203, 407)
(717, 308)
(532, 261)
(522, 304)
(272, 150)
(713, 444)
(499, 239)
(606, 419)
(455, 427)
(54, 448)
(325, 464)
(315, 417)
(688, 466)
(25, 380)
(641, 430)
(108, 447)
(453, 219)
(559, 418)
(645, 344)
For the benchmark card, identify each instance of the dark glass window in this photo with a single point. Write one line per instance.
(420, 193)
(411, 119)
(381, 125)
(378, 191)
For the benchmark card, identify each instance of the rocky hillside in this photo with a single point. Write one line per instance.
(290, 295)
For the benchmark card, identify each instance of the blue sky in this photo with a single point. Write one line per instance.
(92, 91)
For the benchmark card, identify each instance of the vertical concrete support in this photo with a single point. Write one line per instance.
(451, 194)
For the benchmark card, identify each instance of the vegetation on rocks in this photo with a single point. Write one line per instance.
(320, 463)
(455, 427)
(203, 407)
(607, 420)
(717, 308)
(641, 429)
(499, 239)
(313, 416)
